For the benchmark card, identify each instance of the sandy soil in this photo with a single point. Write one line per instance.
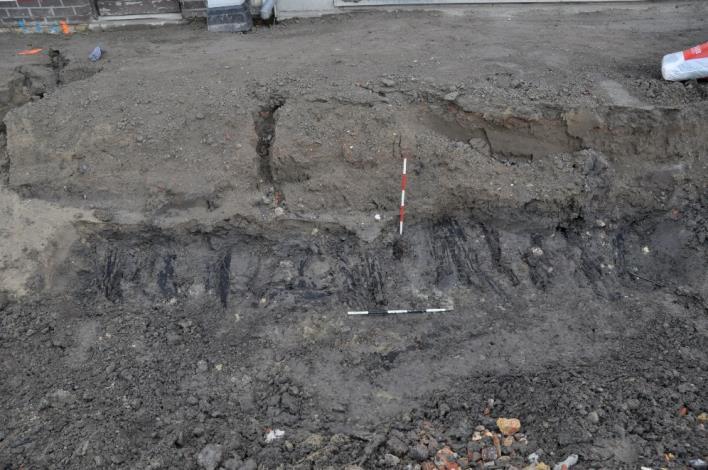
(187, 222)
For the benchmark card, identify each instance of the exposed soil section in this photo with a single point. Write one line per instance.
(4, 161)
(265, 129)
(163, 305)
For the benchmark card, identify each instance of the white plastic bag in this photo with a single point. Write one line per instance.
(686, 65)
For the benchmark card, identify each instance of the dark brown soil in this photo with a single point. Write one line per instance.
(188, 222)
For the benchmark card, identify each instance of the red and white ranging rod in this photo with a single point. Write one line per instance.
(404, 154)
(402, 210)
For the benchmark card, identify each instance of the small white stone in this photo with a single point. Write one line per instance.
(377, 216)
(274, 434)
(279, 211)
(452, 96)
(537, 251)
(196, 290)
(645, 250)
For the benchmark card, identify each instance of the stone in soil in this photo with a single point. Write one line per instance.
(210, 456)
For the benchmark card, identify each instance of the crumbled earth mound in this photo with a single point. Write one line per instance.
(186, 228)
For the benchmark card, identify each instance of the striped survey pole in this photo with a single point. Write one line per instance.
(404, 180)
(392, 312)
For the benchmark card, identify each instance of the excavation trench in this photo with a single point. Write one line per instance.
(501, 204)
(32, 82)
(182, 235)
(265, 124)
(4, 160)
(561, 237)
(455, 259)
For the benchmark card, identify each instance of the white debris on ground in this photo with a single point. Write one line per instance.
(567, 463)
(274, 434)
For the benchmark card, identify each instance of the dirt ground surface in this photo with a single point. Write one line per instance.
(186, 223)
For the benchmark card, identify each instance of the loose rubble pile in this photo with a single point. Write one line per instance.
(504, 447)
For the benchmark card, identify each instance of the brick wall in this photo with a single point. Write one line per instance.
(193, 8)
(43, 15)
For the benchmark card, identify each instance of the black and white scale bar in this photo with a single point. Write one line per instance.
(391, 312)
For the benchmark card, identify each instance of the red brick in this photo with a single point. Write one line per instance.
(77, 19)
(201, 13)
(61, 12)
(41, 12)
(18, 13)
(82, 10)
(193, 4)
